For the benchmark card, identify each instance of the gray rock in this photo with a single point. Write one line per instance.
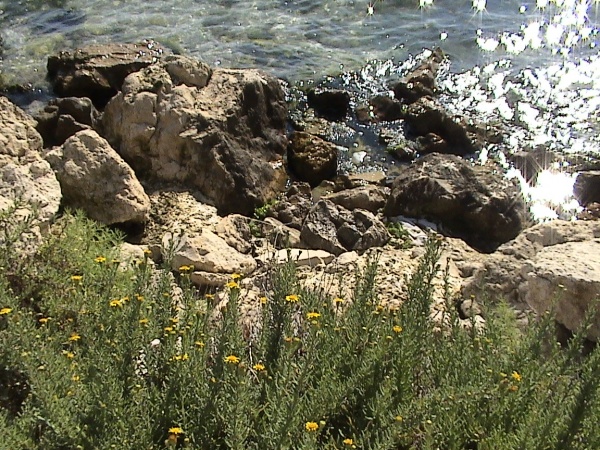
(292, 209)
(369, 197)
(94, 178)
(225, 140)
(566, 278)
(335, 229)
(476, 203)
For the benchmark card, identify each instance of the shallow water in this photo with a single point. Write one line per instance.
(532, 65)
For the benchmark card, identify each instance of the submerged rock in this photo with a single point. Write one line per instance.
(476, 203)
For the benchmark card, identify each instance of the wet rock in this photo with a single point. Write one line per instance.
(224, 140)
(432, 143)
(476, 203)
(63, 117)
(294, 207)
(565, 278)
(381, 108)
(587, 187)
(426, 116)
(531, 162)
(312, 159)
(332, 104)
(98, 71)
(421, 81)
(24, 174)
(335, 229)
(372, 198)
(398, 145)
(94, 178)
(207, 252)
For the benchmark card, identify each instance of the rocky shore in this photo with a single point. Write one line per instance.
(209, 163)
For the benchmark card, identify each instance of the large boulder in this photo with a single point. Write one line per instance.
(476, 203)
(565, 279)
(94, 178)
(335, 229)
(311, 158)
(220, 132)
(98, 71)
(24, 174)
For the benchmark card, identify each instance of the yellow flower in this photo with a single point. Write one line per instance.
(75, 378)
(76, 277)
(292, 298)
(232, 285)
(185, 268)
(348, 441)
(116, 303)
(263, 300)
(235, 276)
(68, 354)
(139, 298)
(338, 301)
(313, 315)
(397, 329)
(259, 367)
(311, 426)
(209, 296)
(175, 430)
(147, 252)
(183, 357)
(144, 321)
(74, 337)
(232, 359)
(199, 344)
(169, 329)
(44, 320)
(5, 311)
(100, 259)
(398, 419)
(516, 376)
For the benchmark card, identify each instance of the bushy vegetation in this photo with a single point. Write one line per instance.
(94, 355)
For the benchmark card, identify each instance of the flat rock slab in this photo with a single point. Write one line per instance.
(300, 256)
(568, 274)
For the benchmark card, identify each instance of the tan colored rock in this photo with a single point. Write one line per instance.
(300, 257)
(208, 252)
(24, 174)
(369, 197)
(225, 139)
(95, 178)
(235, 230)
(566, 278)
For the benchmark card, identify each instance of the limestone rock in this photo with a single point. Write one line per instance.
(300, 257)
(94, 178)
(235, 230)
(311, 158)
(369, 197)
(294, 207)
(24, 174)
(208, 252)
(335, 229)
(63, 117)
(97, 71)
(475, 203)
(224, 140)
(569, 274)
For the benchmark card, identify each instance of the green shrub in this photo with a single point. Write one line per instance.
(93, 356)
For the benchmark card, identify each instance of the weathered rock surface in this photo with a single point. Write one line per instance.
(335, 229)
(94, 178)
(234, 229)
(380, 108)
(426, 117)
(63, 117)
(24, 174)
(566, 278)
(369, 197)
(420, 81)
(207, 252)
(475, 203)
(311, 158)
(224, 139)
(98, 71)
(300, 257)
